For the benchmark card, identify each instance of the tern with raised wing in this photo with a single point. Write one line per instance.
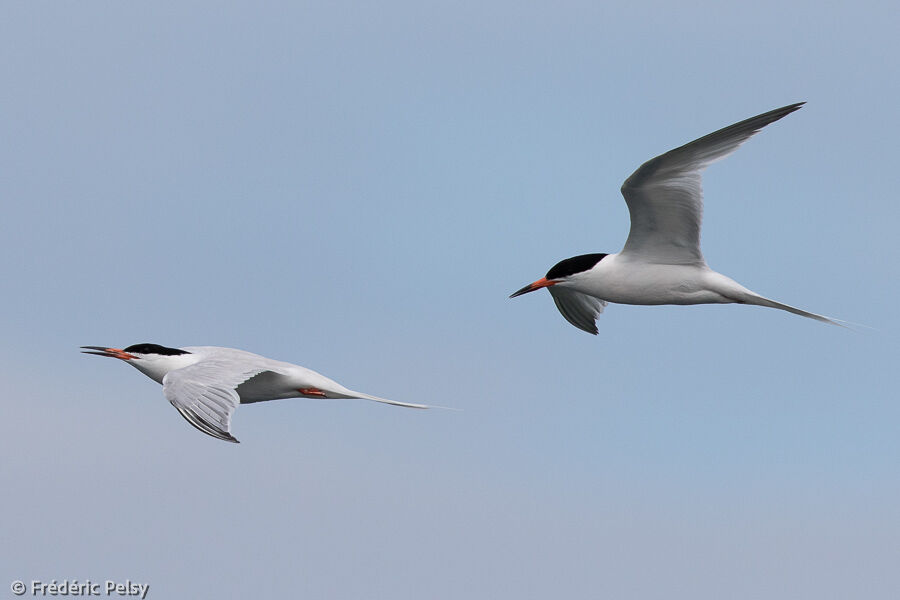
(206, 383)
(661, 262)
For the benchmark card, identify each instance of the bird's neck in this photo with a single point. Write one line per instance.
(156, 367)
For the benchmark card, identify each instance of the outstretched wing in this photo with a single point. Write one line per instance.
(665, 197)
(579, 309)
(205, 394)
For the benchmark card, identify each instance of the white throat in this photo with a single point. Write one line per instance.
(155, 366)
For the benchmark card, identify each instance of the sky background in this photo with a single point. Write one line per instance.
(357, 188)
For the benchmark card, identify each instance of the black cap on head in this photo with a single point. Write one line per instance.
(154, 349)
(573, 265)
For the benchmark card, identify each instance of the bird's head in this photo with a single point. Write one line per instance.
(563, 272)
(151, 359)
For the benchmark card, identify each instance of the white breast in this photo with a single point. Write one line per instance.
(624, 281)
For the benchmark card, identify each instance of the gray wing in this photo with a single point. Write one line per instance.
(205, 394)
(665, 197)
(579, 309)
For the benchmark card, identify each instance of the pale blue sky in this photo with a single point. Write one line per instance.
(358, 189)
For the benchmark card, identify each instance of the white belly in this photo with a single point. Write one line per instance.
(630, 282)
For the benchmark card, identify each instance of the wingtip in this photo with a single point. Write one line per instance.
(778, 113)
(784, 111)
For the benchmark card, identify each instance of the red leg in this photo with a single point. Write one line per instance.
(312, 392)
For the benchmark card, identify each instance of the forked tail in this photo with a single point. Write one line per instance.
(752, 298)
(386, 401)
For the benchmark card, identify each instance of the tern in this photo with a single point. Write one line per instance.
(661, 262)
(206, 383)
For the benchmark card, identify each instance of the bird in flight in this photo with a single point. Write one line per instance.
(205, 384)
(661, 262)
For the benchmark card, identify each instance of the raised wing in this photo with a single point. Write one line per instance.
(579, 309)
(205, 394)
(665, 197)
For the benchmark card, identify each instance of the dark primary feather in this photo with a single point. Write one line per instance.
(710, 146)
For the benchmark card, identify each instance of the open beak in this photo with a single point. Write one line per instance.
(540, 283)
(111, 352)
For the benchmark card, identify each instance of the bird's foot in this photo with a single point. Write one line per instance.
(312, 392)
